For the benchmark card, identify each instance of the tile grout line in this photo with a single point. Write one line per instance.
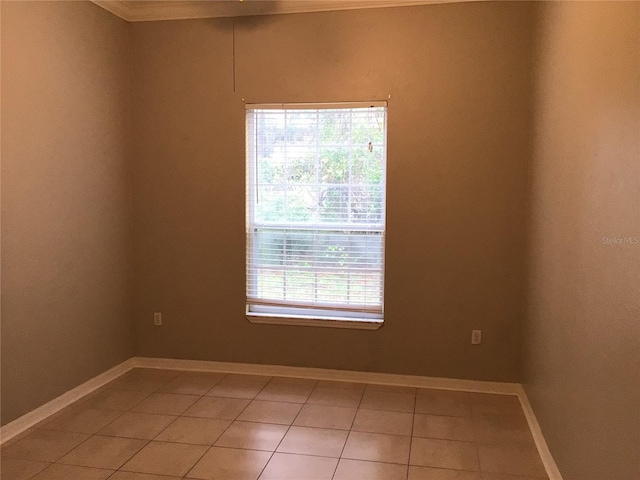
(205, 394)
(158, 391)
(349, 432)
(80, 403)
(95, 434)
(182, 415)
(149, 394)
(285, 433)
(122, 413)
(413, 422)
(232, 420)
(475, 436)
(85, 433)
(200, 397)
(130, 411)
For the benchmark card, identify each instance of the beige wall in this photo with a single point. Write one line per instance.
(66, 236)
(459, 80)
(460, 121)
(582, 335)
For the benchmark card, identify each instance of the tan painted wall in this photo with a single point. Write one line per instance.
(582, 336)
(66, 236)
(459, 80)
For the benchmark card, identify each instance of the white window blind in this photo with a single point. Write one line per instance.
(316, 187)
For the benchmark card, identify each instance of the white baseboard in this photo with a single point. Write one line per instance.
(327, 374)
(475, 386)
(541, 444)
(28, 420)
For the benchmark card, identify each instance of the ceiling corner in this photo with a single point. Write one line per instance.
(154, 10)
(118, 7)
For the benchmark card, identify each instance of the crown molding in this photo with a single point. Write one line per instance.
(117, 7)
(152, 10)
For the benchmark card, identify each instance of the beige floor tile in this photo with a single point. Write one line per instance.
(515, 459)
(83, 420)
(339, 397)
(233, 377)
(92, 394)
(270, 412)
(16, 438)
(441, 402)
(144, 380)
(444, 393)
(236, 388)
(377, 447)
(429, 452)
(300, 382)
(230, 463)
(130, 384)
(192, 383)
(389, 401)
(445, 428)
(502, 429)
(137, 425)
(377, 421)
(488, 404)
(503, 400)
(339, 384)
(120, 400)
(358, 469)
(252, 436)
(44, 445)
(285, 466)
(427, 473)
(390, 388)
(80, 404)
(165, 404)
(313, 441)
(120, 475)
(498, 476)
(103, 452)
(69, 472)
(285, 392)
(214, 407)
(326, 416)
(197, 431)
(163, 458)
(142, 373)
(12, 469)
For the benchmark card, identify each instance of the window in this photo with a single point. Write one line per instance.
(316, 187)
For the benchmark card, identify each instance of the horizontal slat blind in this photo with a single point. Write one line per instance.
(316, 186)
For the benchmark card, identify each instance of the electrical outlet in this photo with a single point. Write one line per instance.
(476, 337)
(157, 318)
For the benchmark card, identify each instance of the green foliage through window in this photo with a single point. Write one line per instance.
(316, 204)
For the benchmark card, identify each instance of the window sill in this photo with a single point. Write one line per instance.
(329, 322)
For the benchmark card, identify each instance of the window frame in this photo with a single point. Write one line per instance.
(309, 316)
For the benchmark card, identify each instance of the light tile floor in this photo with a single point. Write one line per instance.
(167, 425)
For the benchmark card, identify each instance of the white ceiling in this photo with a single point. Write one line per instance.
(150, 10)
